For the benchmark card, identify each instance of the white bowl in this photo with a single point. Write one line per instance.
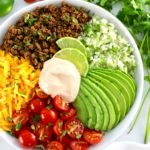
(124, 124)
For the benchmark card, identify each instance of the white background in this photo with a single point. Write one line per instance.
(137, 135)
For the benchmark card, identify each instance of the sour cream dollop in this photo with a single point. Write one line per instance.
(60, 77)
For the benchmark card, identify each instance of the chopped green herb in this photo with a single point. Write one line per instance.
(28, 43)
(55, 36)
(60, 124)
(18, 126)
(48, 37)
(26, 18)
(38, 32)
(64, 132)
(49, 107)
(49, 125)
(31, 21)
(33, 127)
(74, 20)
(79, 136)
(15, 47)
(36, 118)
(48, 17)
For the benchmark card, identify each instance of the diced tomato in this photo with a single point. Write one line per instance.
(27, 139)
(40, 93)
(68, 115)
(79, 145)
(36, 105)
(43, 132)
(74, 128)
(55, 145)
(49, 115)
(21, 116)
(60, 104)
(58, 127)
(92, 136)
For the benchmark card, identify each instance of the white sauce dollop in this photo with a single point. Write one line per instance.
(60, 77)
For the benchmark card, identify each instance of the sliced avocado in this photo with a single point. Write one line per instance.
(97, 107)
(115, 91)
(98, 80)
(95, 92)
(125, 78)
(91, 111)
(120, 86)
(82, 112)
(130, 78)
(108, 103)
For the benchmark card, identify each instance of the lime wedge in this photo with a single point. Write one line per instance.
(69, 42)
(76, 57)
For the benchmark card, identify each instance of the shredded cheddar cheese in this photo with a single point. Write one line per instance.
(17, 79)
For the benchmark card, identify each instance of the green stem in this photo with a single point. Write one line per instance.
(137, 116)
(147, 131)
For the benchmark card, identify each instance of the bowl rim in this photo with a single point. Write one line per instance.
(119, 129)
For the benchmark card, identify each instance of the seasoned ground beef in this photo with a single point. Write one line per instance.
(34, 35)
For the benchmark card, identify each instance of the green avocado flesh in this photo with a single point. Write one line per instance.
(104, 98)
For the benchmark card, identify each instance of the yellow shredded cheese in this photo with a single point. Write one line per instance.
(17, 79)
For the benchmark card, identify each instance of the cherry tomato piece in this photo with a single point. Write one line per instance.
(79, 145)
(29, 1)
(40, 93)
(92, 136)
(36, 105)
(55, 145)
(21, 116)
(74, 128)
(43, 132)
(68, 115)
(60, 104)
(48, 115)
(27, 139)
(58, 127)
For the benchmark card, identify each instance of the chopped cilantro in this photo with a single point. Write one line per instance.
(26, 18)
(33, 127)
(60, 124)
(48, 37)
(74, 20)
(49, 107)
(64, 132)
(28, 43)
(36, 118)
(18, 126)
(79, 136)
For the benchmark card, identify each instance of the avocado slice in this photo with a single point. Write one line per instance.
(100, 102)
(98, 80)
(82, 112)
(129, 77)
(108, 103)
(115, 91)
(130, 83)
(120, 86)
(91, 111)
(97, 107)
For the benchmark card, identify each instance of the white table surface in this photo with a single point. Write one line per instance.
(137, 135)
